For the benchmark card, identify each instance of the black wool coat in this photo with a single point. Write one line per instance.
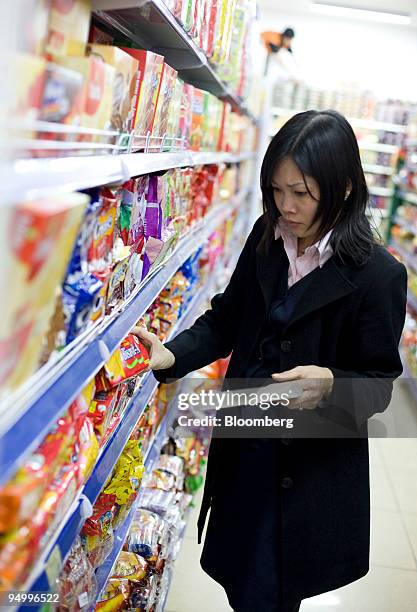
(350, 320)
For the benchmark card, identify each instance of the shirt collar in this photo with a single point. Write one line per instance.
(322, 246)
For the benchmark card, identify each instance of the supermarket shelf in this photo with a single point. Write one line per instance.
(412, 300)
(34, 178)
(63, 539)
(407, 196)
(377, 146)
(409, 259)
(152, 26)
(361, 123)
(377, 169)
(374, 211)
(405, 225)
(408, 376)
(381, 191)
(48, 396)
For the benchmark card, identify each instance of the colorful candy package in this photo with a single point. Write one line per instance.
(130, 566)
(97, 533)
(103, 235)
(129, 360)
(114, 596)
(101, 411)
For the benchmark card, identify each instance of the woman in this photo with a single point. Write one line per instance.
(313, 298)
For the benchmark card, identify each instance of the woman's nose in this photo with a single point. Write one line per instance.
(288, 204)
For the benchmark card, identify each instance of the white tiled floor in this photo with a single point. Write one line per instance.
(390, 585)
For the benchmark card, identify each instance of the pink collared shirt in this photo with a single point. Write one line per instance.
(315, 255)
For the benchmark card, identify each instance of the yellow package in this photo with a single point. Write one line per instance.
(98, 90)
(37, 238)
(223, 32)
(29, 71)
(69, 24)
(126, 84)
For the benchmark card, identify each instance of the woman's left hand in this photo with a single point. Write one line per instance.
(316, 382)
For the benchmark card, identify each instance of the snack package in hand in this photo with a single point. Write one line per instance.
(128, 361)
(77, 585)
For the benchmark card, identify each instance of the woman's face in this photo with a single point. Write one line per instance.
(293, 200)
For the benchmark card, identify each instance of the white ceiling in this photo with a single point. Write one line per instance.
(303, 6)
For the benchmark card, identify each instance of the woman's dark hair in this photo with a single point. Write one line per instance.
(323, 146)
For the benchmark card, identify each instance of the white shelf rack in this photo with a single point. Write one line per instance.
(28, 179)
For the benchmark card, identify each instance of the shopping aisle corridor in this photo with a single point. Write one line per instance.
(391, 584)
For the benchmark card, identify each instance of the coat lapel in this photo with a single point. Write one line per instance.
(332, 282)
(270, 266)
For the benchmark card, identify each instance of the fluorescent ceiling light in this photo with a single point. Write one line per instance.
(339, 10)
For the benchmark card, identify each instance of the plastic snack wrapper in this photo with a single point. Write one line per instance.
(143, 535)
(20, 497)
(79, 300)
(157, 500)
(86, 448)
(159, 479)
(128, 361)
(115, 596)
(102, 239)
(101, 411)
(144, 594)
(127, 474)
(131, 567)
(165, 99)
(97, 533)
(77, 585)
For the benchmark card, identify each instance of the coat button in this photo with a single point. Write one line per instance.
(286, 441)
(287, 483)
(285, 346)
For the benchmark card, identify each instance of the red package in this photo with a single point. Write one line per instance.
(129, 360)
(97, 533)
(101, 410)
(196, 133)
(20, 497)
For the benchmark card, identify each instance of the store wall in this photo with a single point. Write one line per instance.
(379, 57)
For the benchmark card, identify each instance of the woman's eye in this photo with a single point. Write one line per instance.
(276, 189)
(300, 193)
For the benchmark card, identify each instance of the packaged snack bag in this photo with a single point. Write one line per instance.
(174, 114)
(86, 448)
(187, 14)
(150, 73)
(115, 293)
(101, 411)
(130, 566)
(163, 106)
(129, 360)
(62, 100)
(125, 481)
(69, 23)
(223, 33)
(37, 237)
(20, 496)
(114, 596)
(196, 134)
(77, 585)
(97, 533)
(79, 301)
(126, 84)
(28, 88)
(98, 91)
(144, 533)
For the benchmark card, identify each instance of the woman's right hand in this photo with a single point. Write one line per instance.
(160, 357)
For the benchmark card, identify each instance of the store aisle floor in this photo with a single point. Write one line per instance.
(391, 584)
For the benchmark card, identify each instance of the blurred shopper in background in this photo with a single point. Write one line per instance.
(280, 62)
